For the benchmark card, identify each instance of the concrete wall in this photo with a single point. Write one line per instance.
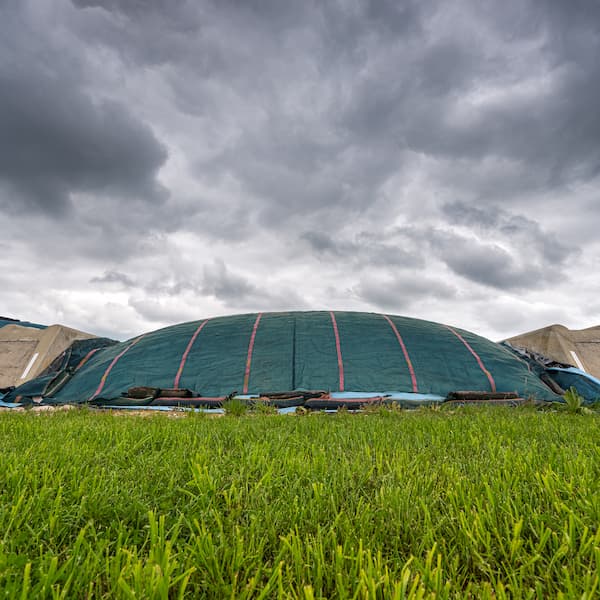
(580, 348)
(25, 352)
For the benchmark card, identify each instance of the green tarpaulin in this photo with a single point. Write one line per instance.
(330, 351)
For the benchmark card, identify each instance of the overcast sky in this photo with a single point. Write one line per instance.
(167, 160)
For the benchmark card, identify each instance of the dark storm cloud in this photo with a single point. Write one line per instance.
(53, 143)
(541, 113)
(56, 139)
(453, 97)
(314, 143)
(386, 78)
(239, 62)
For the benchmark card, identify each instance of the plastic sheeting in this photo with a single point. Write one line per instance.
(337, 352)
(5, 321)
(587, 385)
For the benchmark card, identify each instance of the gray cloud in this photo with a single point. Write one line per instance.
(525, 232)
(114, 277)
(398, 87)
(366, 249)
(238, 291)
(55, 138)
(543, 117)
(211, 157)
(156, 311)
(218, 281)
(490, 264)
(402, 291)
(134, 8)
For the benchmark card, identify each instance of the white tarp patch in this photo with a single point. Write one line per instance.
(29, 365)
(577, 361)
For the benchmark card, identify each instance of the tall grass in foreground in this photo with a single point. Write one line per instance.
(480, 503)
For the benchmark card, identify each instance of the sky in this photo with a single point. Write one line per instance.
(168, 160)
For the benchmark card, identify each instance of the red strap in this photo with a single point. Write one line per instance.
(405, 352)
(338, 350)
(112, 364)
(85, 359)
(187, 351)
(477, 358)
(249, 357)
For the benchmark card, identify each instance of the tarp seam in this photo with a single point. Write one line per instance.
(250, 349)
(413, 377)
(477, 357)
(186, 352)
(112, 364)
(338, 349)
(85, 359)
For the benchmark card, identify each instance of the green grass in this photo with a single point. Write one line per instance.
(477, 503)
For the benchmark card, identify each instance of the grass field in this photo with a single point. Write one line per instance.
(477, 503)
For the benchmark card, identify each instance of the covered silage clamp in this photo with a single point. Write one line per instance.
(317, 359)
